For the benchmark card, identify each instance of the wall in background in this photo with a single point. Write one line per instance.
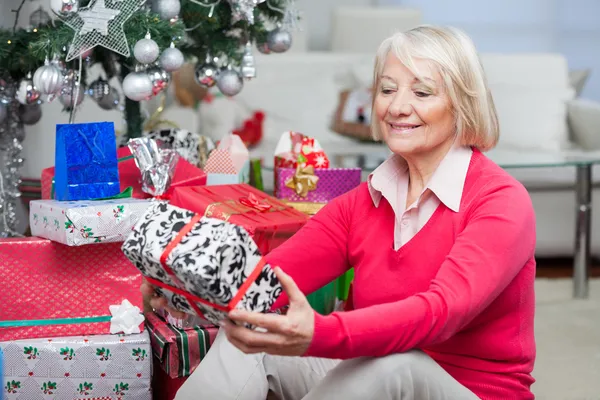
(570, 27)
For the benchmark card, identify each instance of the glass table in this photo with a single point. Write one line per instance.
(582, 161)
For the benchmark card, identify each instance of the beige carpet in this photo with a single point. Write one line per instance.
(568, 342)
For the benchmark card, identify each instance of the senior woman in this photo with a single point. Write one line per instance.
(442, 243)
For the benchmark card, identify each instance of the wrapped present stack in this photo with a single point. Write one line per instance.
(303, 176)
(72, 325)
(110, 217)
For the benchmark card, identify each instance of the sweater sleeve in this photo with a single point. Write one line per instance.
(497, 241)
(318, 253)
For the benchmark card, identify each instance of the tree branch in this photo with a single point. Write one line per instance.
(17, 12)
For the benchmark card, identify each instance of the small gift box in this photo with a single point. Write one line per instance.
(295, 148)
(307, 184)
(229, 163)
(203, 266)
(76, 223)
(78, 367)
(86, 161)
(49, 289)
(179, 351)
(130, 176)
(269, 221)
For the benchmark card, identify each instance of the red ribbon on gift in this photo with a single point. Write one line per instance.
(190, 297)
(253, 202)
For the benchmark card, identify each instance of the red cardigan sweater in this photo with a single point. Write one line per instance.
(462, 289)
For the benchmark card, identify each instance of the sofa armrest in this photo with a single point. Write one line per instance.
(584, 119)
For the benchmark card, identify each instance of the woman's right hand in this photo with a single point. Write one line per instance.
(158, 302)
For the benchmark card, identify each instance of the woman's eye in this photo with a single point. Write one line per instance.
(387, 91)
(419, 93)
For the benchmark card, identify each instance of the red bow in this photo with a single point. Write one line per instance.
(254, 202)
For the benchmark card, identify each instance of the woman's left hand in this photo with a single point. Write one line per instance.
(287, 335)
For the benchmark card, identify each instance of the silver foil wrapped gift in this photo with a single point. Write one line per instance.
(156, 164)
(203, 266)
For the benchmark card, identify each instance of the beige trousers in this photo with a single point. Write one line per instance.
(227, 374)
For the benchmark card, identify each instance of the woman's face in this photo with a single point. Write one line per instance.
(414, 117)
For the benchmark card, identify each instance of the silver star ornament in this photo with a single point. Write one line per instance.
(101, 24)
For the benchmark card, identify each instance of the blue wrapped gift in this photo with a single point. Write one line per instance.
(86, 161)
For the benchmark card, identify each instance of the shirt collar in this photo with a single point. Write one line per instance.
(447, 182)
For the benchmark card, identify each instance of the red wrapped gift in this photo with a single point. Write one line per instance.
(295, 148)
(179, 351)
(269, 221)
(50, 290)
(163, 386)
(130, 176)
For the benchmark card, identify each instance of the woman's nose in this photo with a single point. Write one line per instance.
(400, 105)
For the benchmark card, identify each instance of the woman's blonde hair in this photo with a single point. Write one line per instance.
(454, 54)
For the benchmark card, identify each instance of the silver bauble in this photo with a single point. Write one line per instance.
(230, 82)
(146, 51)
(166, 9)
(68, 93)
(64, 7)
(27, 92)
(263, 47)
(3, 112)
(99, 89)
(30, 115)
(137, 86)
(171, 59)
(110, 101)
(48, 79)
(206, 74)
(160, 79)
(279, 40)
(39, 17)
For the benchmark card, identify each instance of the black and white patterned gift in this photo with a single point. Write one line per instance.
(191, 146)
(203, 266)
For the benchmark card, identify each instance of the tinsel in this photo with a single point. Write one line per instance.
(11, 136)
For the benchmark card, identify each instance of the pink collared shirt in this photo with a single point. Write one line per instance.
(390, 180)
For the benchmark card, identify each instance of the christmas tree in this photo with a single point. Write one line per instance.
(218, 34)
(138, 41)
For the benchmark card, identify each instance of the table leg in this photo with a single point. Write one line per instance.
(581, 265)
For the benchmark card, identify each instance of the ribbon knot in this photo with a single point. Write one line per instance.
(254, 202)
(303, 181)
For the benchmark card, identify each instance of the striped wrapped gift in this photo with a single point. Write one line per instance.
(179, 351)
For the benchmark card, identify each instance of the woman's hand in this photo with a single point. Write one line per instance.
(287, 335)
(158, 302)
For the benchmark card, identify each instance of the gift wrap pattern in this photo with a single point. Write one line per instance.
(78, 367)
(178, 350)
(211, 262)
(186, 143)
(49, 289)
(76, 223)
(315, 185)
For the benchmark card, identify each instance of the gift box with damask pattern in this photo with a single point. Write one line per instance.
(202, 266)
(49, 289)
(108, 367)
